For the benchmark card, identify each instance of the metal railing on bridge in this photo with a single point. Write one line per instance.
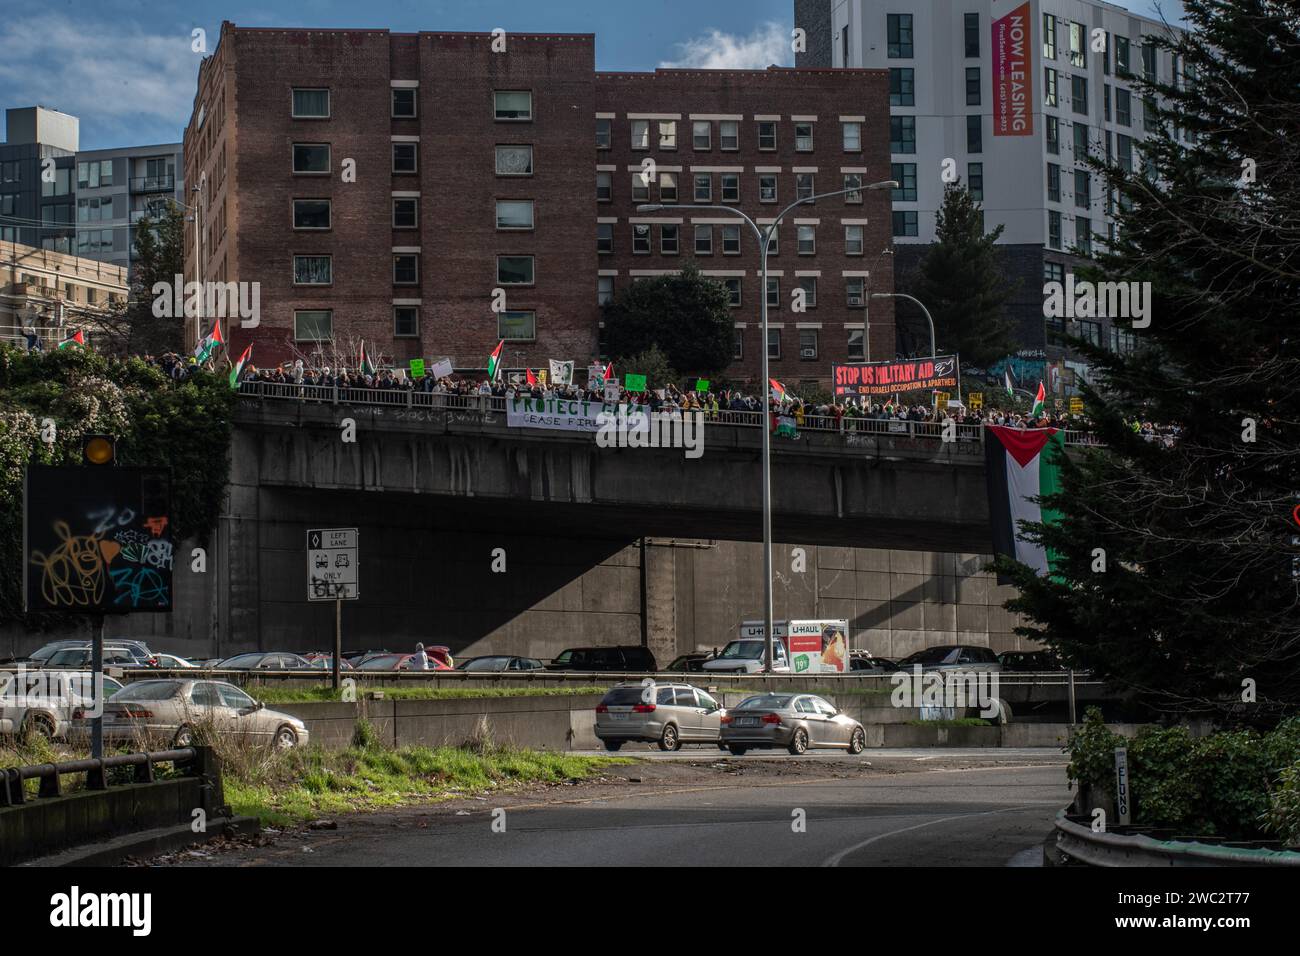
(449, 402)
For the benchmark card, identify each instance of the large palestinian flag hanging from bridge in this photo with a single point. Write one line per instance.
(1019, 463)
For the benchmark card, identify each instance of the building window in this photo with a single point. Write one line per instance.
(767, 135)
(641, 239)
(1122, 341)
(604, 290)
(853, 181)
(93, 174)
(514, 160)
(311, 214)
(406, 213)
(668, 239)
(668, 187)
(774, 292)
(312, 270)
(767, 188)
(1076, 44)
(702, 135)
(512, 105)
(899, 27)
(773, 343)
(774, 240)
(604, 186)
(972, 86)
(905, 222)
(703, 191)
(971, 22)
(1123, 107)
(1049, 87)
(974, 133)
(1090, 332)
(1049, 36)
(604, 237)
(809, 286)
(803, 137)
(1079, 94)
(313, 325)
(514, 270)
(311, 158)
(905, 175)
(1082, 189)
(852, 132)
(732, 286)
(406, 268)
(1080, 140)
(853, 240)
(406, 321)
(61, 185)
(1053, 135)
(404, 103)
(807, 240)
(1053, 272)
(975, 181)
(731, 240)
(807, 344)
(902, 86)
(1149, 61)
(855, 292)
(1124, 152)
(514, 214)
(1053, 182)
(640, 134)
(731, 187)
(667, 134)
(405, 157)
(902, 134)
(604, 133)
(728, 134)
(855, 347)
(311, 104)
(704, 240)
(640, 188)
(803, 186)
(738, 346)
(1123, 64)
(1105, 56)
(1054, 229)
(517, 326)
(1105, 101)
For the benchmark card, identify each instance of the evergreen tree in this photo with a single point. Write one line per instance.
(1199, 591)
(159, 257)
(686, 315)
(962, 284)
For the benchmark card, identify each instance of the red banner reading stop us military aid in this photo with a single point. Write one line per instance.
(1013, 73)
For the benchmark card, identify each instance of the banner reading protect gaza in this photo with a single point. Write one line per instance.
(886, 378)
(563, 414)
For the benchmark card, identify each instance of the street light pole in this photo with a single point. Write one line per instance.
(765, 241)
(928, 318)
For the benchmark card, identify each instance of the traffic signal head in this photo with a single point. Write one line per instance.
(98, 450)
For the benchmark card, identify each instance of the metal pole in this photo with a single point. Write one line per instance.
(766, 392)
(97, 683)
(1073, 720)
(338, 636)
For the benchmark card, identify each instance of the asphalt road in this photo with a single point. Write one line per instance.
(887, 808)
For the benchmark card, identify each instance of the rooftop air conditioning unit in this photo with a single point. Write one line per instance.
(808, 353)
(855, 300)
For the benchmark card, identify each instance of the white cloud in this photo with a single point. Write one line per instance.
(118, 80)
(768, 44)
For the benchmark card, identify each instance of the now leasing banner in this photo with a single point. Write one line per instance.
(886, 378)
(1013, 74)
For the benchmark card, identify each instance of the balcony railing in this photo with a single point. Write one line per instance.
(153, 184)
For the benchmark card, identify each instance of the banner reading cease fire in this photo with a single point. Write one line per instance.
(886, 378)
(1013, 74)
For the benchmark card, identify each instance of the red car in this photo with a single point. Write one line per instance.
(398, 662)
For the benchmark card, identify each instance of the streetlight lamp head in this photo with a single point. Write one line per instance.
(649, 207)
(881, 295)
(887, 184)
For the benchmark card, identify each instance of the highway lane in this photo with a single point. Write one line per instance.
(973, 809)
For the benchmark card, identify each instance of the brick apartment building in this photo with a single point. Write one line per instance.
(474, 172)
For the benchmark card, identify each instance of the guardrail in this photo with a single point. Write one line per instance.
(496, 404)
(1136, 846)
(13, 794)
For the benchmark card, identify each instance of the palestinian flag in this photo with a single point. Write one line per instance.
(208, 344)
(609, 372)
(529, 377)
(1039, 400)
(365, 364)
(76, 338)
(1020, 467)
(494, 360)
(239, 366)
(778, 390)
(1006, 378)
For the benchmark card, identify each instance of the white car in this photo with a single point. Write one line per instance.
(745, 656)
(43, 700)
(169, 662)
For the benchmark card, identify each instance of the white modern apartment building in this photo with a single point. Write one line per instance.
(1010, 95)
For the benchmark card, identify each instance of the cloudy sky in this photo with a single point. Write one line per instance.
(125, 67)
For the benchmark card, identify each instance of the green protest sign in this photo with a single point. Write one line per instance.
(634, 383)
(701, 384)
(417, 368)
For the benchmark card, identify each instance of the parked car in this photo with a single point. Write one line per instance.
(326, 662)
(862, 662)
(500, 663)
(38, 657)
(358, 656)
(1029, 661)
(625, 659)
(667, 714)
(177, 709)
(82, 657)
(798, 722)
(690, 663)
(44, 702)
(263, 661)
(745, 656)
(952, 657)
(172, 662)
(396, 662)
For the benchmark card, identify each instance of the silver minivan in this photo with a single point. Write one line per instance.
(666, 714)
